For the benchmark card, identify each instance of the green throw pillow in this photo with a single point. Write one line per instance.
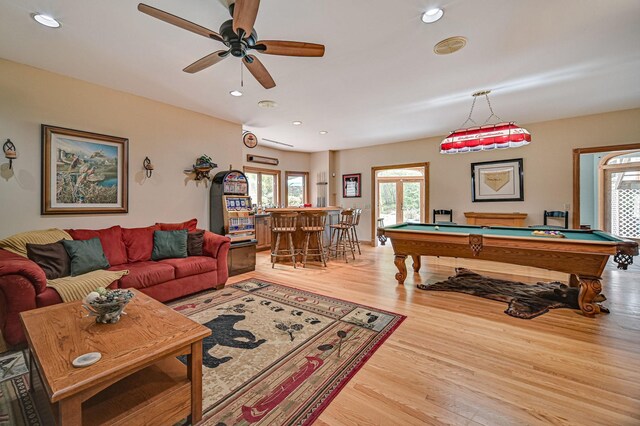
(86, 255)
(169, 244)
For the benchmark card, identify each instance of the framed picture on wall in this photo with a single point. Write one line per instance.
(497, 181)
(351, 185)
(83, 173)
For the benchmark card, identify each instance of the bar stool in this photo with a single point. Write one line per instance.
(342, 233)
(283, 224)
(313, 224)
(354, 231)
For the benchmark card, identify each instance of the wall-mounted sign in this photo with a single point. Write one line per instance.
(263, 160)
(249, 139)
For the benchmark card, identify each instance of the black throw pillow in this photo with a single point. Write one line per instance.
(195, 242)
(52, 258)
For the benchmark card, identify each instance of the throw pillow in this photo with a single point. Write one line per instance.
(111, 240)
(52, 258)
(86, 256)
(195, 242)
(139, 243)
(169, 244)
(189, 225)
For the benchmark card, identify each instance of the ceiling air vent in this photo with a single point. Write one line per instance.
(450, 45)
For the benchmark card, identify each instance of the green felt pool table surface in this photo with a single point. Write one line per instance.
(570, 234)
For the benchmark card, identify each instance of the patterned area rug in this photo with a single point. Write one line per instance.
(17, 406)
(277, 355)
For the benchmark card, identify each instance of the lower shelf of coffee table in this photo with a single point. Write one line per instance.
(158, 394)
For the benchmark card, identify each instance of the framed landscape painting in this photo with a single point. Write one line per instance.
(83, 172)
(497, 181)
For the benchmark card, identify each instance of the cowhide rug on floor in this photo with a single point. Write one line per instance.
(525, 300)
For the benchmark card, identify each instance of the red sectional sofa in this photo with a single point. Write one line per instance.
(23, 285)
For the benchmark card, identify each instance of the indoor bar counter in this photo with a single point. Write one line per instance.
(333, 215)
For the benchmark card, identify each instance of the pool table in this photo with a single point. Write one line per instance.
(582, 253)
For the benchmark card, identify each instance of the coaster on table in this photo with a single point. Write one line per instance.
(87, 359)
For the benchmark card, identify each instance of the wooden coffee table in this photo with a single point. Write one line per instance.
(137, 381)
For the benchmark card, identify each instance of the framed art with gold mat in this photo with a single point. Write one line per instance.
(497, 181)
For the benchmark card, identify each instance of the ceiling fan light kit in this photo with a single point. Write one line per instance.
(239, 35)
(487, 136)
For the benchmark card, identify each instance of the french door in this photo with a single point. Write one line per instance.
(400, 200)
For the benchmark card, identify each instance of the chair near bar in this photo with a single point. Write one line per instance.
(313, 225)
(283, 224)
(341, 231)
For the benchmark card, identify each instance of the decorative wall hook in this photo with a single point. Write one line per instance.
(148, 167)
(10, 152)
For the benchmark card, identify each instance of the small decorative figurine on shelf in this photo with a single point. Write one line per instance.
(204, 164)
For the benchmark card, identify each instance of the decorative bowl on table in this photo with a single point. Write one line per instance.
(107, 305)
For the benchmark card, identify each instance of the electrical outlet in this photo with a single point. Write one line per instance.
(567, 206)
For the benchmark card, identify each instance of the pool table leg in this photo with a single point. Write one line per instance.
(402, 268)
(416, 262)
(590, 288)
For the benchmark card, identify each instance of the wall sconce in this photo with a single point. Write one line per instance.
(148, 167)
(10, 152)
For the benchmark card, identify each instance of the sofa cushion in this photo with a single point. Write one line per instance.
(195, 242)
(193, 265)
(18, 243)
(86, 256)
(52, 258)
(169, 244)
(111, 240)
(189, 225)
(139, 243)
(145, 274)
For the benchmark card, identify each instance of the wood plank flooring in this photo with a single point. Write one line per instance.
(458, 359)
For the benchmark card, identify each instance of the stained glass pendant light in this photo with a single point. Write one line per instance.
(503, 134)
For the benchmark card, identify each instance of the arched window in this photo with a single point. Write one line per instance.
(620, 195)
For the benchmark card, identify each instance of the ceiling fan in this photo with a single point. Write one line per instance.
(239, 36)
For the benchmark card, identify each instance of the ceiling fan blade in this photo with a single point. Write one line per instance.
(206, 62)
(289, 48)
(244, 16)
(258, 70)
(178, 22)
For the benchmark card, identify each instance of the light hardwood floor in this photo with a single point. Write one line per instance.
(458, 359)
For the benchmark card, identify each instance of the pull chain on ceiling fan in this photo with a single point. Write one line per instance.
(239, 35)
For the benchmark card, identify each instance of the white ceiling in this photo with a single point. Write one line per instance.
(379, 80)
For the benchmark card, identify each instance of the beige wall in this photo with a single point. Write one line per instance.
(290, 161)
(170, 136)
(548, 179)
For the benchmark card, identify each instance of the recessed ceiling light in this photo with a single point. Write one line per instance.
(235, 93)
(267, 104)
(432, 15)
(297, 123)
(323, 132)
(45, 20)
